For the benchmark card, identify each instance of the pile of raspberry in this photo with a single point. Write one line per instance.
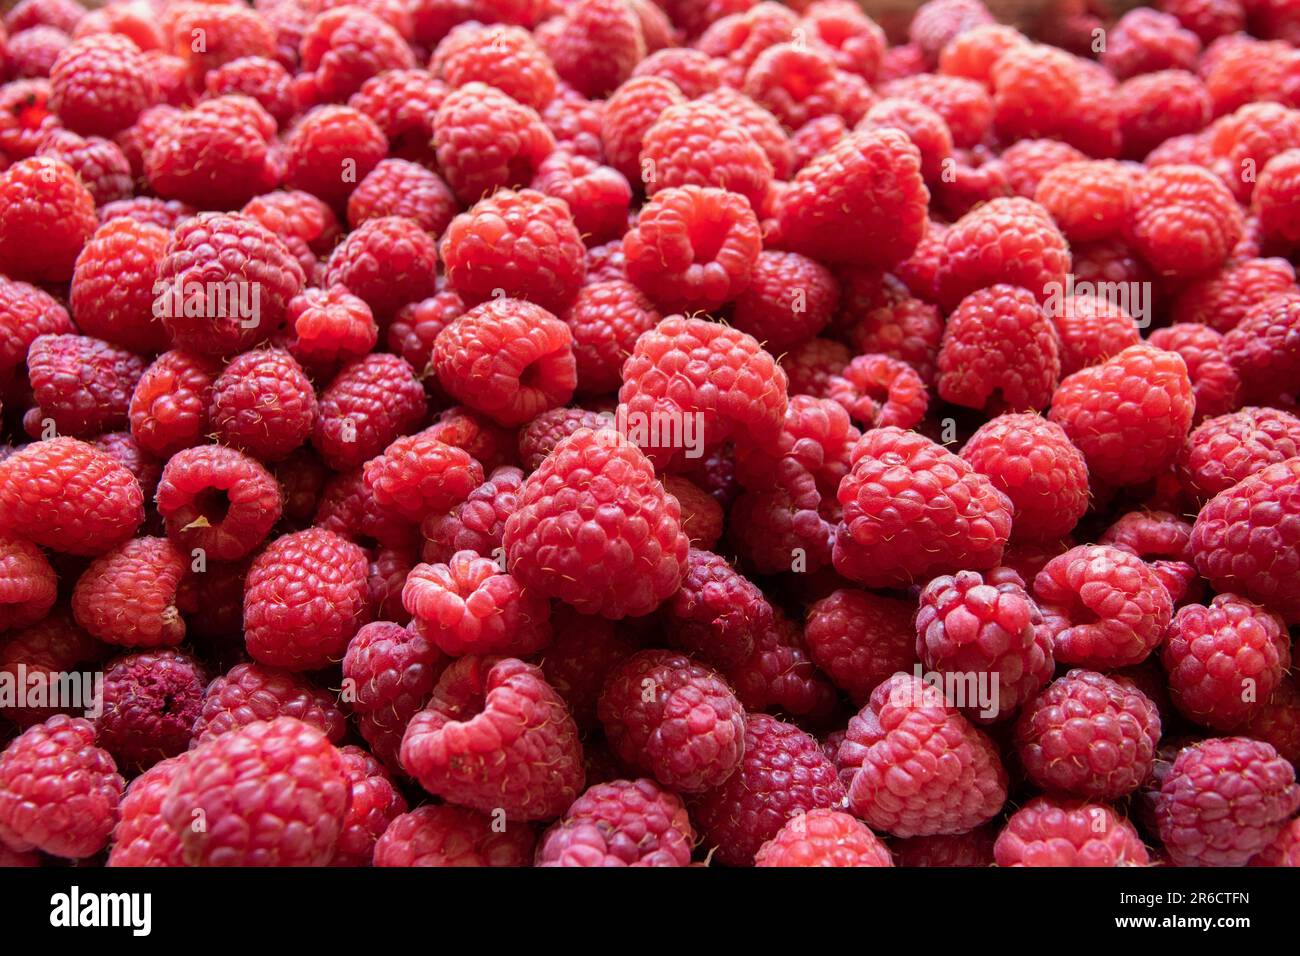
(649, 433)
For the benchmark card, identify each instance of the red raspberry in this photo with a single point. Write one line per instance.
(151, 701)
(1156, 107)
(880, 316)
(1278, 722)
(263, 79)
(224, 284)
(1225, 450)
(1223, 801)
(621, 823)
(1008, 241)
(1088, 200)
(698, 145)
(585, 651)
(1264, 348)
(717, 612)
(1129, 415)
(445, 835)
(263, 404)
(1108, 607)
(141, 837)
(1050, 831)
(250, 692)
(704, 376)
(296, 214)
(46, 216)
(347, 507)
(689, 734)
(52, 645)
(217, 155)
(485, 139)
(387, 262)
(80, 386)
(977, 177)
(1032, 462)
(59, 793)
(329, 327)
(122, 448)
(25, 117)
(28, 585)
(149, 210)
(816, 137)
(100, 164)
(496, 736)
(388, 570)
(477, 523)
(468, 606)
(403, 103)
(854, 39)
(284, 757)
(628, 524)
(860, 639)
(866, 191)
(345, 46)
(228, 32)
(923, 126)
(1247, 539)
(1183, 221)
(908, 731)
(63, 14)
(823, 837)
(701, 514)
(796, 83)
(765, 129)
(1284, 851)
(68, 496)
(879, 391)
(913, 510)
(972, 53)
(1035, 89)
(305, 596)
(605, 320)
(974, 848)
(963, 104)
(396, 187)
(1246, 140)
(1029, 161)
(503, 56)
(301, 478)
(629, 114)
(1089, 736)
(418, 476)
(1215, 383)
(127, 597)
(594, 44)
(389, 672)
(693, 72)
(218, 501)
(331, 150)
(1275, 195)
(489, 444)
(783, 774)
(597, 195)
(540, 436)
(1090, 329)
(938, 22)
(780, 675)
(33, 53)
(112, 291)
(368, 404)
(375, 803)
(415, 328)
(1145, 40)
(811, 365)
(100, 84)
(968, 626)
(575, 121)
(169, 409)
(522, 245)
(790, 298)
(1208, 19)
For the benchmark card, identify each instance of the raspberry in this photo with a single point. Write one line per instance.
(1088, 200)
(814, 138)
(1225, 660)
(503, 56)
(576, 663)
(388, 570)
(540, 436)
(693, 72)
(368, 404)
(262, 79)
(628, 116)
(594, 576)
(467, 606)
(1215, 383)
(1032, 462)
(228, 33)
(100, 84)
(26, 14)
(391, 671)
(148, 210)
(81, 386)
(879, 391)
(1278, 721)
(1128, 415)
(330, 327)
(1208, 19)
(285, 757)
(575, 121)
(698, 145)
(972, 53)
(1247, 139)
(375, 803)
(331, 150)
(522, 245)
(1090, 329)
(717, 612)
(1284, 851)
(112, 291)
(1182, 220)
(25, 117)
(964, 105)
(151, 701)
(811, 365)
(780, 675)
(1007, 241)
(866, 191)
(1145, 40)
(1264, 348)
(597, 196)
(1225, 450)
(59, 793)
(250, 692)
(387, 263)
(141, 837)
(854, 40)
(415, 327)
(1108, 607)
(969, 626)
(403, 103)
(970, 849)
(293, 214)
(263, 404)
(396, 187)
(1089, 736)
(823, 837)
(485, 139)
(860, 639)
(1223, 801)
(345, 46)
(46, 216)
(215, 155)
(880, 316)
(605, 320)
(496, 736)
(913, 510)
(1274, 197)
(169, 408)
(127, 597)
(224, 284)
(594, 44)
(348, 508)
(218, 501)
(908, 731)
(922, 125)
(790, 298)
(445, 835)
(489, 444)
(796, 83)
(621, 823)
(68, 496)
(101, 165)
(1049, 831)
(477, 523)
(1247, 540)
(761, 125)
(1157, 107)
(783, 774)
(701, 514)
(418, 476)
(29, 584)
(305, 596)
(51, 645)
(700, 372)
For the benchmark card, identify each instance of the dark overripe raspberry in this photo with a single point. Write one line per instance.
(368, 404)
(1224, 450)
(398, 187)
(1050, 831)
(81, 386)
(485, 139)
(151, 701)
(387, 263)
(860, 639)
(446, 835)
(345, 46)
(585, 650)
(331, 150)
(251, 692)
(811, 365)
(218, 501)
(263, 403)
(46, 216)
(217, 155)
